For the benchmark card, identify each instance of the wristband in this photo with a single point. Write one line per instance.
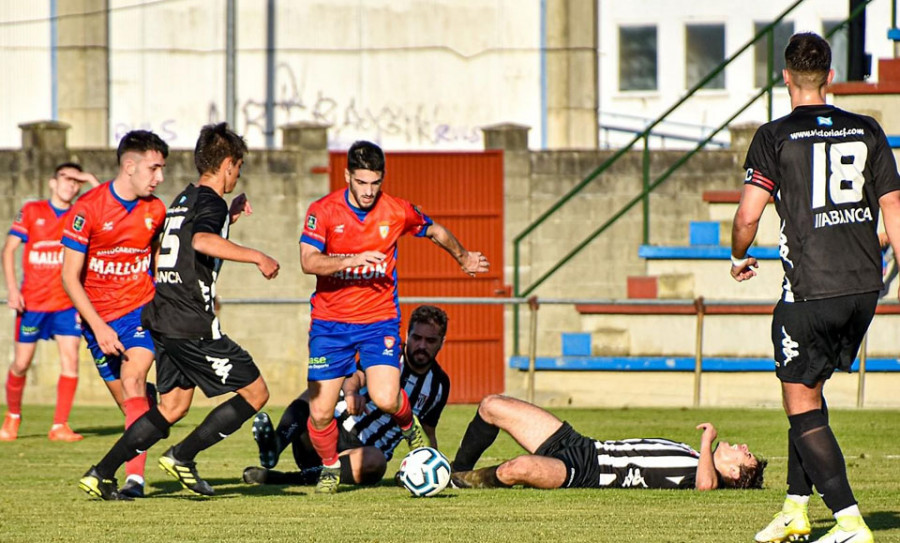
(739, 262)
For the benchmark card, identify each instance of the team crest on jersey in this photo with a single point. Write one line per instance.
(384, 230)
(20, 216)
(78, 223)
(311, 222)
(148, 222)
(824, 121)
(40, 222)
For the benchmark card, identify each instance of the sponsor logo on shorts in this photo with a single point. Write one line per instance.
(140, 333)
(101, 362)
(318, 362)
(29, 330)
(788, 347)
(634, 478)
(221, 366)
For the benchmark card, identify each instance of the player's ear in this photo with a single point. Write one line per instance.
(830, 77)
(347, 175)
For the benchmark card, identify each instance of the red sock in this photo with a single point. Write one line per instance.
(404, 416)
(325, 442)
(14, 387)
(134, 408)
(65, 395)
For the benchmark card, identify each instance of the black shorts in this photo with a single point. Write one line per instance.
(216, 366)
(577, 452)
(814, 338)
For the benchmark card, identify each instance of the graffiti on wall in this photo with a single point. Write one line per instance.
(415, 124)
(165, 129)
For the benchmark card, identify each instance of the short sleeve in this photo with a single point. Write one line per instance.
(416, 222)
(77, 231)
(761, 161)
(314, 227)
(20, 224)
(212, 213)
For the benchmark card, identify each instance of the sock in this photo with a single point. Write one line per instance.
(134, 409)
(15, 385)
(478, 437)
(221, 422)
(852, 511)
(798, 499)
(65, 395)
(822, 458)
(404, 415)
(140, 436)
(325, 442)
(483, 478)
(346, 469)
(797, 480)
(292, 423)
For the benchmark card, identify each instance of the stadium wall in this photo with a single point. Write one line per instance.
(281, 183)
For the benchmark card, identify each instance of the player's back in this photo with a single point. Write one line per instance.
(828, 167)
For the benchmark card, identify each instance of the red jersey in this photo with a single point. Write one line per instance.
(366, 293)
(115, 237)
(40, 225)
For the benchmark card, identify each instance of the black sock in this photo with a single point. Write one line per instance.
(822, 459)
(346, 469)
(221, 422)
(478, 437)
(797, 480)
(292, 423)
(140, 436)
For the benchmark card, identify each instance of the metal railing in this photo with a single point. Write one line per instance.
(649, 185)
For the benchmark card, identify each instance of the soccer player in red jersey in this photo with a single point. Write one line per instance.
(109, 240)
(43, 309)
(349, 243)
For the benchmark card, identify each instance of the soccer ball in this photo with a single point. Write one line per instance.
(425, 472)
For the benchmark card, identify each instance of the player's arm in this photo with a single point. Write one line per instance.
(14, 298)
(73, 264)
(890, 210)
(707, 478)
(471, 262)
(216, 246)
(315, 262)
(431, 432)
(85, 177)
(356, 402)
(744, 228)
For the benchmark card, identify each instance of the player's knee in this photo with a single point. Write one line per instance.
(372, 470)
(388, 403)
(513, 471)
(257, 394)
(489, 406)
(134, 387)
(173, 413)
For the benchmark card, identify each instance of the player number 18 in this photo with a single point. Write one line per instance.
(844, 177)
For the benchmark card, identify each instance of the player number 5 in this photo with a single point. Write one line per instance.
(168, 247)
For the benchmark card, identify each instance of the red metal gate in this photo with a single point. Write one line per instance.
(464, 192)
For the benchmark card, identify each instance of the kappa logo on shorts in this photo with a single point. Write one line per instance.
(221, 366)
(78, 223)
(634, 478)
(789, 347)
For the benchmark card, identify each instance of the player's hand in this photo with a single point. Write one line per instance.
(356, 403)
(745, 272)
(108, 340)
(367, 257)
(240, 205)
(15, 300)
(709, 432)
(85, 177)
(475, 262)
(268, 266)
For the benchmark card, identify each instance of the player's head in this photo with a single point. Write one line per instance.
(66, 183)
(364, 173)
(425, 336)
(142, 157)
(807, 61)
(737, 466)
(220, 147)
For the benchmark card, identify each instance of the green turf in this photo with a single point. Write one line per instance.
(40, 501)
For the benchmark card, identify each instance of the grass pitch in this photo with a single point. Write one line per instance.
(40, 501)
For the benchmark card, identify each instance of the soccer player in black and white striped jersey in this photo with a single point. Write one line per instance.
(368, 436)
(560, 457)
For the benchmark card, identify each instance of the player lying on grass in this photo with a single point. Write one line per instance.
(368, 436)
(560, 457)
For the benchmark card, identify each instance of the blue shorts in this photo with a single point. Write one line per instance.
(333, 347)
(34, 325)
(131, 334)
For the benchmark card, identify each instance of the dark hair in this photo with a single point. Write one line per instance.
(749, 477)
(141, 141)
(428, 314)
(808, 57)
(216, 143)
(73, 165)
(365, 155)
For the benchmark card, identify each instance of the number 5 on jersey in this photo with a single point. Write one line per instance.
(168, 247)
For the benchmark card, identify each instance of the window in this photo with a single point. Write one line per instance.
(637, 58)
(840, 43)
(781, 33)
(705, 50)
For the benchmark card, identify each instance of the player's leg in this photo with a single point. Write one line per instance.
(291, 430)
(363, 465)
(23, 354)
(134, 390)
(323, 430)
(67, 345)
(528, 424)
(529, 470)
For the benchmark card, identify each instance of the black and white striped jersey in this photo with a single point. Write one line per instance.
(427, 395)
(646, 463)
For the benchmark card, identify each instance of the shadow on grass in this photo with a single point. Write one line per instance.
(223, 487)
(100, 430)
(883, 520)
